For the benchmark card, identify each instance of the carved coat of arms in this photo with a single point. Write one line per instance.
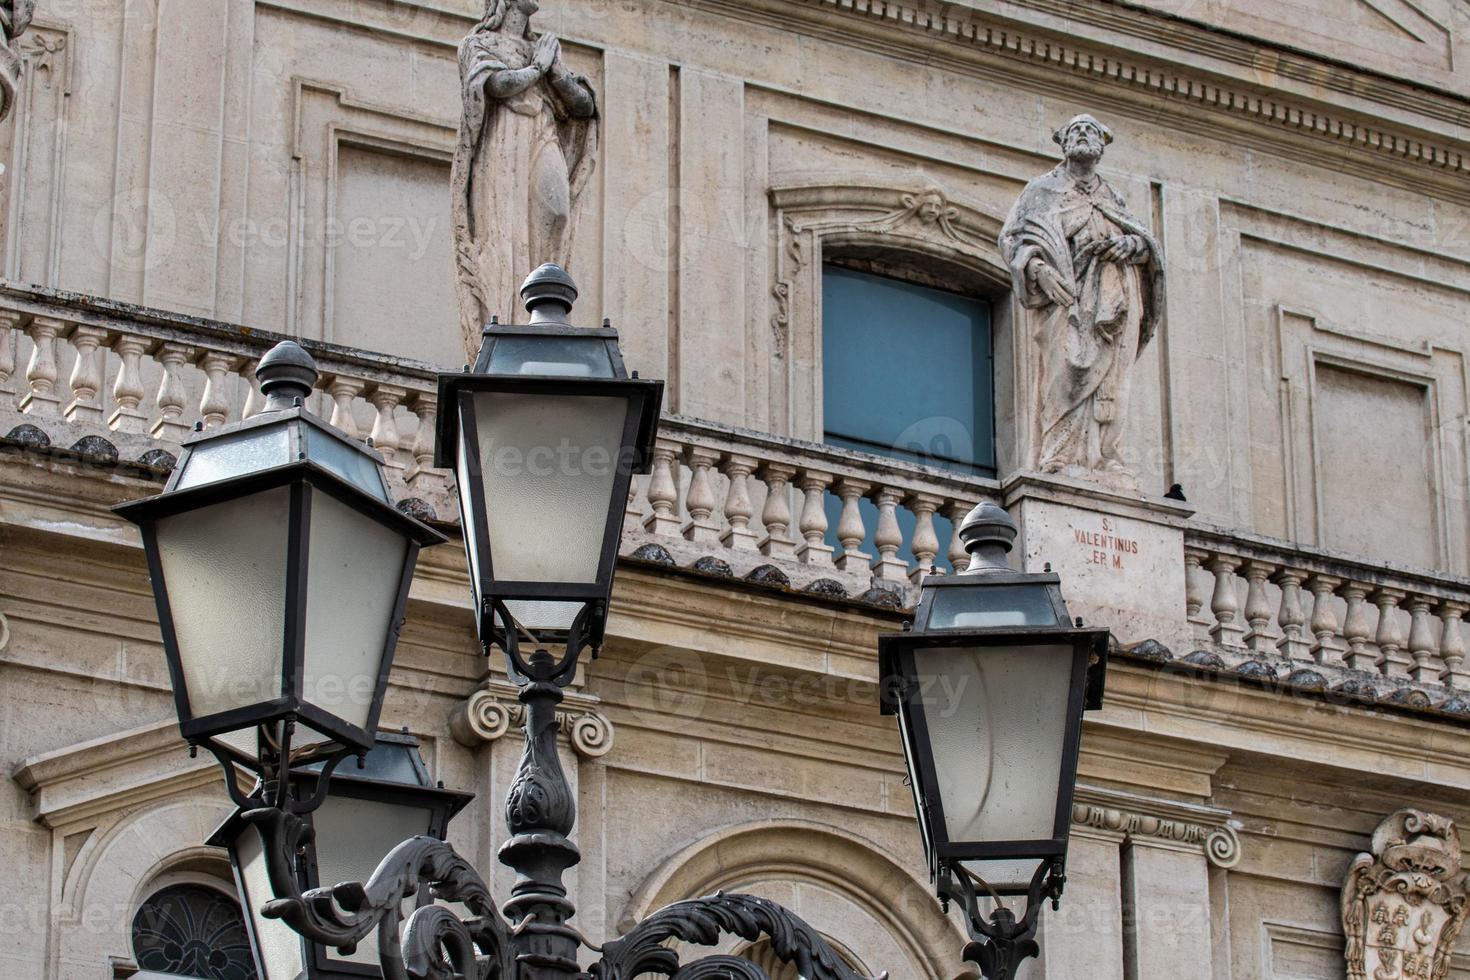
(1403, 905)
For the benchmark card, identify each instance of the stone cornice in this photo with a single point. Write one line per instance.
(1157, 822)
(1269, 95)
(84, 781)
(1380, 129)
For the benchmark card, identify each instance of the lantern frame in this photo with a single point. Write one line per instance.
(304, 476)
(316, 783)
(902, 694)
(457, 427)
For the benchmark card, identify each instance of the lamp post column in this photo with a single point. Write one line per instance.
(540, 812)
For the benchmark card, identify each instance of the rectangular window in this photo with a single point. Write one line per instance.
(907, 371)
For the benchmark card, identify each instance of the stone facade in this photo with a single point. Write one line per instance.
(186, 180)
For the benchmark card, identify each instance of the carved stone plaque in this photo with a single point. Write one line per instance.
(1403, 904)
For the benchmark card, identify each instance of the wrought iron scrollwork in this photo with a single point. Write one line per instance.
(436, 945)
(703, 921)
(1000, 945)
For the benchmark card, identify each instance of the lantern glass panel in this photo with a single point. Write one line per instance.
(224, 457)
(997, 726)
(555, 357)
(468, 521)
(278, 948)
(224, 570)
(544, 614)
(549, 464)
(352, 838)
(960, 608)
(355, 572)
(349, 462)
(1011, 875)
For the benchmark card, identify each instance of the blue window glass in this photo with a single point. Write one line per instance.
(907, 371)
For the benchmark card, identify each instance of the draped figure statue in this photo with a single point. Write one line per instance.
(15, 17)
(527, 145)
(1094, 278)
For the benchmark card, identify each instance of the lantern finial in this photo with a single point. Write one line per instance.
(286, 372)
(988, 534)
(549, 293)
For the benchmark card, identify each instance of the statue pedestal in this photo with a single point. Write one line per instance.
(1120, 556)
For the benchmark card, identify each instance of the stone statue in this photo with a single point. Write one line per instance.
(1403, 905)
(1094, 277)
(527, 145)
(15, 17)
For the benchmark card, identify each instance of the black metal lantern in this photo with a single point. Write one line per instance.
(544, 435)
(364, 814)
(280, 569)
(989, 687)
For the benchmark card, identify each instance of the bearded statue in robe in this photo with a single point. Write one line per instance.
(15, 17)
(1094, 278)
(527, 145)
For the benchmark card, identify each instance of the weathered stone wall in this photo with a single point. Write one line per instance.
(284, 164)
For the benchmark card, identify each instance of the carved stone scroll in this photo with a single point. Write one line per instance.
(493, 710)
(1404, 903)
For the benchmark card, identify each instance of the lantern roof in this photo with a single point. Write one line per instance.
(283, 433)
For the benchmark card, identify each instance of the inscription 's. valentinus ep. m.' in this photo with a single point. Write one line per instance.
(1105, 547)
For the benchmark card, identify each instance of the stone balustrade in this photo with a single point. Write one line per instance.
(110, 380)
(75, 369)
(1262, 597)
(753, 499)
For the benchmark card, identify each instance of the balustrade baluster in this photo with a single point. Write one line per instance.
(663, 491)
(888, 538)
(955, 510)
(41, 371)
(703, 526)
(343, 391)
(1328, 647)
(386, 438)
(1196, 591)
(1224, 602)
(925, 545)
(815, 550)
(1258, 607)
(1452, 645)
(1292, 617)
(127, 387)
(86, 375)
(1421, 640)
(1391, 662)
(776, 515)
(850, 528)
(738, 508)
(1355, 629)
(170, 398)
(9, 323)
(254, 400)
(214, 407)
(423, 477)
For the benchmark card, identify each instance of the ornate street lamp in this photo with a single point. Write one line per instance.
(543, 386)
(989, 687)
(280, 569)
(544, 435)
(362, 815)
